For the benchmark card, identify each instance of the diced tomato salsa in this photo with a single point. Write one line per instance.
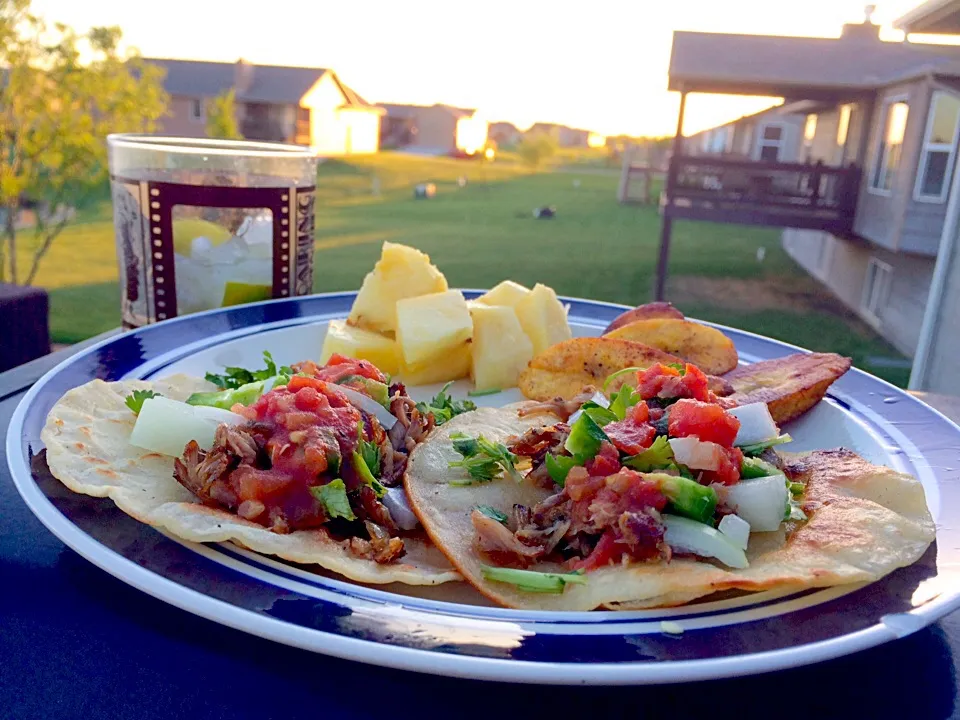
(339, 367)
(309, 428)
(709, 422)
(665, 382)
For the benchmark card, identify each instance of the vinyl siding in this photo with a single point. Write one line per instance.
(922, 225)
(844, 274)
(880, 217)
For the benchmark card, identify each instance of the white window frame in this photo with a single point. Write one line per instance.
(875, 293)
(762, 142)
(194, 104)
(880, 146)
(927, 147)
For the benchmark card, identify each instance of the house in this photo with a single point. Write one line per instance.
(433, 129)
(306, 106)
(504, 133)
(864, 203)
(935, 362)
(772, 135)
(568, 137)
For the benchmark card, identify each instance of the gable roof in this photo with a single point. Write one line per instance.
(801, 67)
(277, 84)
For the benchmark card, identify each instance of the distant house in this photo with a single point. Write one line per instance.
(772, 135)
(433, 129)
(568, 137)
(306, 106)
(504, 133)
(864, 197)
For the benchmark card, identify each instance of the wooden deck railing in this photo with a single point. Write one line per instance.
(719, 189)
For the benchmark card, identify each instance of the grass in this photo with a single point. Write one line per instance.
(485, 231)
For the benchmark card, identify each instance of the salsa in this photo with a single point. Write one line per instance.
(307, 457)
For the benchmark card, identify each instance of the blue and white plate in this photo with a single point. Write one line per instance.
(450, 630)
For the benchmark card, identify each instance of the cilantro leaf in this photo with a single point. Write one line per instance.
(134, 400)
(333, 497)
(679, 367)
(369, 451)
(622, 400)
(443, 407)
(492, 513)
(234, 377)
(656, 457)
(482, 459)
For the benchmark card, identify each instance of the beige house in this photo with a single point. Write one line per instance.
(568, 137)
(865, 195)
(306, 106)
(935, 362)
(433, 130)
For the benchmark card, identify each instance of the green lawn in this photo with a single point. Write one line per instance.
(484, 232)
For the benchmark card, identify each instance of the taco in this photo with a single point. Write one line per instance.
(304, 463)
(654, 496)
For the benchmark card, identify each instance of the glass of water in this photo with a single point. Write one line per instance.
(202, 224)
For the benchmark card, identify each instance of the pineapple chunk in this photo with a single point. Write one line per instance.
(452, 365)
(401, 272)
(429, 326)
(543, 317)
(500, 349)
(506, 293)
(361, 344)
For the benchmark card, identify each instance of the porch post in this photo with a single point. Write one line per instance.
(666, 223)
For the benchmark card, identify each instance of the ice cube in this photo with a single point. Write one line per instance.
(200, 246)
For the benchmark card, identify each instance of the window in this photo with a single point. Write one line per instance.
(809, 133)
(876, 286)
(939, 147)
(196, 109)
(889, 146)
(843, 133)
(770, 143)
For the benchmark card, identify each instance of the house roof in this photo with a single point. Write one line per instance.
(801, 67)
(276, 84)
(941, 17)
(399, 110)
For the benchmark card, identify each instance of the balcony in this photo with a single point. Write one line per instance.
(730, 190)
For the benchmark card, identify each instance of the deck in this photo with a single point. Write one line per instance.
(731, 190)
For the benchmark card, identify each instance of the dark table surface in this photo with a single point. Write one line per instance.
(77, 643)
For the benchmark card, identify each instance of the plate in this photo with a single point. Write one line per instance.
(449, 630)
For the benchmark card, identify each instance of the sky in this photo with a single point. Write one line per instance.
(595, 64)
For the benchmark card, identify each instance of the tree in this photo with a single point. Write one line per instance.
(61, 94)
(535, 148)
(222, 117)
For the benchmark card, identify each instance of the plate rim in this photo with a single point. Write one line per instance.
(641, 672)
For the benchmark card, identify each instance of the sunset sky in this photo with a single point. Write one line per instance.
(597, 64)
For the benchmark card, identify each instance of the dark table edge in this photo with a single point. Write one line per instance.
(20, 378)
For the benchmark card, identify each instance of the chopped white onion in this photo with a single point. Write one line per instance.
(760, 501)
(165, 426)
(756, 424)
(686, 535)
(368, 404)
(736, 530)
(696, 454)
(397, 503)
